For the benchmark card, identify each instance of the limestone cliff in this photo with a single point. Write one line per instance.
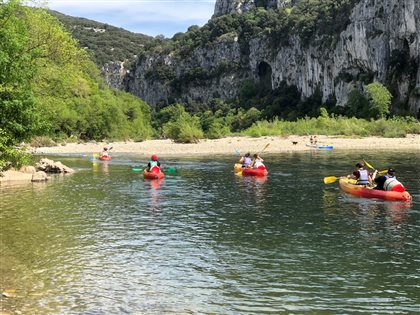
(380, 43)
(223, 7)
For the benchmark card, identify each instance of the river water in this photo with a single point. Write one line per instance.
(205, 241)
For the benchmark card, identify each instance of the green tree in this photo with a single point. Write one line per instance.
(379, 98)
(19, 118)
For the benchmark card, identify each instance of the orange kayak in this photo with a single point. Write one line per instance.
(348, 185)
(156, 173)
(105, 158)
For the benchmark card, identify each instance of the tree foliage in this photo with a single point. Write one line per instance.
(379, 98)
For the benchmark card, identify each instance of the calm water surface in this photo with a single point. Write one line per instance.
(205, 241)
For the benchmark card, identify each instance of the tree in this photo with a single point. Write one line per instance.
(379, 98)
(19, 118)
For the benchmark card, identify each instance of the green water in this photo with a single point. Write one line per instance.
(205, 241)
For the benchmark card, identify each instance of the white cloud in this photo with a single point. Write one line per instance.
(165, 17)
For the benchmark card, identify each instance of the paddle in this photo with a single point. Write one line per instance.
(332, 179)
(169, 170)
(265, 147)
(368, 165)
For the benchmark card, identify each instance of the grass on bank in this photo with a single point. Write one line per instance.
(336, 126)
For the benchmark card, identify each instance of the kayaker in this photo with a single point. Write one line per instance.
(389, 182)
(246, 160)
(105, 152)
(153, 163)
(361, 174)
(258, 162)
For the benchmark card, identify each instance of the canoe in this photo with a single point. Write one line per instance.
(320, 147)
(348, 186)
(154, 174)
(254, 172)
(105, 158)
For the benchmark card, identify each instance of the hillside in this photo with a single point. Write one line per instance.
(106, 43)
(289, 60)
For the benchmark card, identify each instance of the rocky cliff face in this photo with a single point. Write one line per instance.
(381, 35)
(223, 7)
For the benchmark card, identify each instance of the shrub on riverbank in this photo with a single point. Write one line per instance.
(337, 126)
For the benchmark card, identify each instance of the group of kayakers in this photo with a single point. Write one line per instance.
(387, 181)
(248, 162)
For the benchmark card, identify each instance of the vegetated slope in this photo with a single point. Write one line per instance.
(106, 43)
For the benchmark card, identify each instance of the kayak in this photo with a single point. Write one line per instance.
(237, 167)
(254, 172)
(156, 173)
(320, 147)
(105, 158)
(348, 185)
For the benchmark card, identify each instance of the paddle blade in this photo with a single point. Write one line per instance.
(330, 179)
(170, 170)
(368, 165)
(136, 169)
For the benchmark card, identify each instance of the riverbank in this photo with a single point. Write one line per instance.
(236, 145)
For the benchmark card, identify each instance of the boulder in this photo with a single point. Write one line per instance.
(49, 166)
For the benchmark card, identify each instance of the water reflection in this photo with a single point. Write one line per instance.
(205, 241)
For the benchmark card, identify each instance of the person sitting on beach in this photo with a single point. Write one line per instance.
(105, 152)
(361, 174)
(258, 162)
(246, 160)
(153, 163)
(388, 182)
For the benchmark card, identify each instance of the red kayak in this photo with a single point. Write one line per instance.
(155, 173)
(348, 186)
(105, 158)
(254, 172)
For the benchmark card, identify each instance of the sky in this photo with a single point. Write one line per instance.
(149, 17)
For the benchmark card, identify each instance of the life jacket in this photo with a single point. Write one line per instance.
(363, 177)
(247, 161)
(258, 164)
(153, 164)
(392, 184)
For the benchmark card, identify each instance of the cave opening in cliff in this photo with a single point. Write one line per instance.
(264, 73)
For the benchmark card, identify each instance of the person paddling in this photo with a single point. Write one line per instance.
(246, 160)
(361, 175)
(153, 163)
(105, 152)
(258, 162)
(389, 182)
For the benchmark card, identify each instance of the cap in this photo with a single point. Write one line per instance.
(391, 170)
(360, 164)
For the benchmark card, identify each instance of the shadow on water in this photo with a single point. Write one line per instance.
(206, 241)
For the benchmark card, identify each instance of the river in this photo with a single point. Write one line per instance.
(205, 241)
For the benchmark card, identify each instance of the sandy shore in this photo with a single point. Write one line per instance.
(236, 145)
